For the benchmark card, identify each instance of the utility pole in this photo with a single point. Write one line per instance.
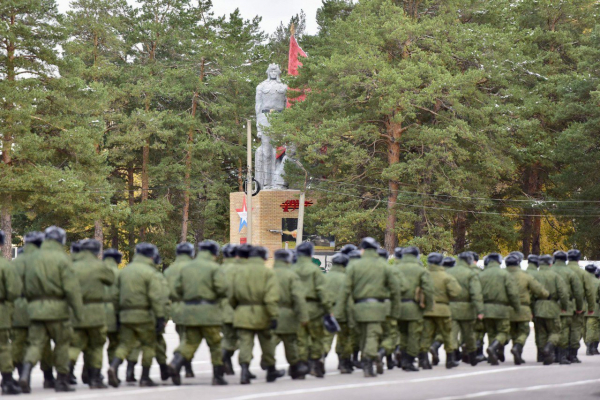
(249, 183)
(300, 229)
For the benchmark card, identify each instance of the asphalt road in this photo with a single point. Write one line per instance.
(507, 381)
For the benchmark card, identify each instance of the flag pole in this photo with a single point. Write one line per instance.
(249, 182)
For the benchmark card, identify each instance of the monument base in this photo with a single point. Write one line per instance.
(274, 219)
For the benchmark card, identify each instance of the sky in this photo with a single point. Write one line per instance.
(272, 11)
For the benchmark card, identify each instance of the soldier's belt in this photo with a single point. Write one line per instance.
(369, 300)
(199, 302)
(313, 300)
(40, 298)
(408, 301)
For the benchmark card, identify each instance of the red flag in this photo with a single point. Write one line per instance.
(293, 64)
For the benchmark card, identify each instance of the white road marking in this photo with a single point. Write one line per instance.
(374, 384)
(521, 389)
(114, 393)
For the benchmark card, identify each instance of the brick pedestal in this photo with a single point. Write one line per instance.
(267, 215)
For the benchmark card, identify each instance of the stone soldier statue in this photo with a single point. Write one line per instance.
(270, 97)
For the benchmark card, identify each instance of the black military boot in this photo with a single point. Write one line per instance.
(556, 355)
(130, 374)
(540, 355)
(274, 373)
(424, 361)
(548, 353)
(85, 375)
(72, 377)
(389, 361)
(573, 357)
(299, 370)
(9, 385)
(457, 355)
(320, 369)
(226, 356)
(356, 360)
(245, 375)
(145, 380)
(465, 357)
(501, 356)
(189, 372)
(516, 352)
(175, 368)
(434, 351)
(367, 367)
(473, 360)
(49, 381)
(95, 381)
(25, 378)
(312, 367)
(480, 356)
(594, 348)
(164, 372)
(379, 362)
(563, 358)
(450, 361)
(113, 372)
(492, 352)
(218, 372)
(345, 366)
(19, 368)
(62, 383)
(588, 349)
(409, 363)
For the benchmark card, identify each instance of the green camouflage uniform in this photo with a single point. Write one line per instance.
(254, 297)
(161, 344)
(201, 285)
(575, 291)
(172, 273)
(141, 301)
(111, 304)
(10, 290)
(310, 336)
(417, 297)
(528, 286)
(547, 311)
(368, 281)
(500, 292)
(230, 339)
(439, 318)
(89, 333)
(589, 303)
(51, 287)
(592, 323)
(293, 310)
(335, 279)
(532, 270)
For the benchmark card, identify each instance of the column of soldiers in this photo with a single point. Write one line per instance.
(55, 306)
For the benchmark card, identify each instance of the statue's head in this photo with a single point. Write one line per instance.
(274, 72)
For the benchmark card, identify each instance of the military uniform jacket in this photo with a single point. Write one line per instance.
(202, 285)
(469, 303)
(313, 286)
(92, 275)
(334, 281)
(141, 292)
(446, 287)
(229, 266)
(51, 285)
(10, 290)
(111, 297)
(254, 295)
(589, 296)
(594, 283)
(20, 315)
(499, 291)
(558, 294)
(417, 289)
(532, 270)
(172, 274)
(527, 286)
(574, 287)
(368, 282)
(292, 304)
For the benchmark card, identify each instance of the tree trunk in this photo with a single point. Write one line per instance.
(114, 241)
(393, 135)
(530, 232)
(460, 233)
(7, 141)
(131, 204)
(145, 182)
(6, 223)
(99, 235)
(535, 236)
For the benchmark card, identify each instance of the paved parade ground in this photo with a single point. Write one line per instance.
(530, 381)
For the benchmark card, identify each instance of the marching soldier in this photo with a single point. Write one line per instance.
(532, 269)
(368, 281)
(592, 325)
(229, 343)
(589, 305)
(310, 337)
(90, 331)
(389, 339)
(293, 312)
(201, 284)
(112, 258)
(548, 310)
(51, 287)
(416, 298)
(353, 254)
(575, 292)
(500, 292)
(528, 287)
(439, 318)
(335, 279)
(184, 254)
(141, 311)
(467, 307)
(10, 289)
